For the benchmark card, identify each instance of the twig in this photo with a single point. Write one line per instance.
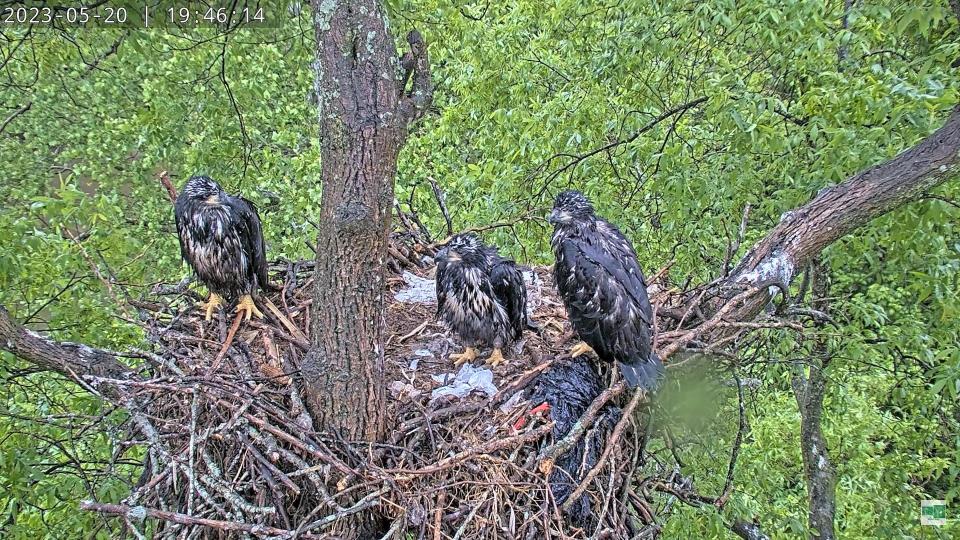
(15, 114)
(227, 342)
(550, 454)
(413, 332)
(608, 449)
(138, 513)
(294, 329)
(486, 448)
(364, 503)
(694, 333)
(511, 223)
(577, 159)
(442, 203)
(735, 452)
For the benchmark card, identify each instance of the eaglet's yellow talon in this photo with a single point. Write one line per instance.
(468, 355)
(496, 358)
(580, 348)
(246, 305)
(211, 304)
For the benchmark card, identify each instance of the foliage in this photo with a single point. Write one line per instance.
(797, 99)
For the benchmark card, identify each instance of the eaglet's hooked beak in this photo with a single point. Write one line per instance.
(554, 217)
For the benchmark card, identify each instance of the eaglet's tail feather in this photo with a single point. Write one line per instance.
(645, 374)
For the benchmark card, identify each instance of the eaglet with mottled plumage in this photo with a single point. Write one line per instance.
(222, 240)
(481, 297)
(603, 289)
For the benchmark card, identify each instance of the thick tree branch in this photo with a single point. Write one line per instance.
(73, 360)
(836, 211)
(748, 531)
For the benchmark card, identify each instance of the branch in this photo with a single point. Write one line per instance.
(551, 453)
(748, 531)
(414, 103)
(164, 178)
(15, 114)
(836, 211)
(577, 159)
(138, 513)
(625, 417)
(442, 202)
(483, 449)
(233, 102)
(737, 442)
(508, 223)
(73, 360)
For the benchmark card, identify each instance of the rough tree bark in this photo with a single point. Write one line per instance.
(364, 115)
(809, 390)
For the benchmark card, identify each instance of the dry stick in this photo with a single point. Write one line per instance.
(294, 329)
(303, 346)
(414, 332)
(394, 529)
(366, 502)
(512, 222)
(280, 475)
(191, 472)
(165, 180)
(486, 448)
(227, 342)
(132, 512)
(550, 454)
(761, 325)
(611, 443)
(442, 202)
(689, 336)
(660, 273)
(437, 514)
(309, 448)
(520, 382)
(470, 516)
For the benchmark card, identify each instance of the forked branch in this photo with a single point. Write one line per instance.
(415, 102)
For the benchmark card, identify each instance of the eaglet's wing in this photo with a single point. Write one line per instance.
(511, 292)
(601, 301)
(182, 211)
(614, 255)
(441, 285)
(251, 234)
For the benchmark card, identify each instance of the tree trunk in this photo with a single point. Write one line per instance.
(364, 114)
(809, 390)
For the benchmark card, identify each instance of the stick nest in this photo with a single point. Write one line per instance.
(231, 449)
